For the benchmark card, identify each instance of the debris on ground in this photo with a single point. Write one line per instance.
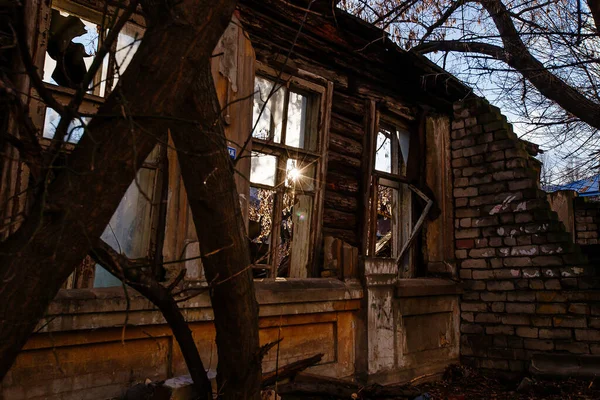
(464, 383)
(459, 382)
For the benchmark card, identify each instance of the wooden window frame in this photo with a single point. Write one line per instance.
(397, 181)
(283, 153)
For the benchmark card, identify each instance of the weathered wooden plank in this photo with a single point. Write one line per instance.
(339, 219)
(439, 233)
(365, 182)
(339, 162)
(320, 198)
(348, 106)
(348, 236)
(344, 145)
(342, 183)
(394, 104)
(346, 127)
(340, 202)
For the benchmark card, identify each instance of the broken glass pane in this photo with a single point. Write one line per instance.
(71, 44)
(404, 141)
(296, 121)
(383, 152)
(128, 42)
(74, 132)
(299, 176)
(263, 168)
(268, 118)
(129, 230)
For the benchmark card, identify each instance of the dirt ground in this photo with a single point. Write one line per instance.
(464, 383)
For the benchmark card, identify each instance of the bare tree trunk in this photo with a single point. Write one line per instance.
(77, 205)
(208, 176)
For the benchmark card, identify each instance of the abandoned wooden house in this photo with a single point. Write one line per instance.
(395, 220)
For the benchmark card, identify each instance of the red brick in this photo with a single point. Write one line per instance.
(516, 319)
(573, 347)
(517, 261)
(471, 328)
(464, 222)
(541, 321)
(570, 322)
(493, 296)
(526, 332)
(551, 308)
(547, 261)
(587, 335)
(467, 233)
(478, 263)
(526, 251)
(480, 243)
(538, 344)
(578, 308)
(488, 318)
(465, 274)
(552, 284)
(500, 285)
(536, 284)
(465, 243)
(467, 316)
(477, 307)
(498, 307)
(483, 253)
(520, 308)
(483, 274)
(550, 297)
(500, 330)
(465, 192)
(556, 334)
(521, 296)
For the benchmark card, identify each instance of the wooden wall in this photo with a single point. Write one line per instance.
(318, 52)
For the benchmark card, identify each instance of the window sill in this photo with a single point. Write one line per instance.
(268, 291)
(79, 309)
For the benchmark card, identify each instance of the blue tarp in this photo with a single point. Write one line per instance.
(585, 187)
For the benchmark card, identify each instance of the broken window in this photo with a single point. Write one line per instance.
(74, 37)
(74, 40)
(390, 204)
(130, 230)
(282, 178)
(133, 228)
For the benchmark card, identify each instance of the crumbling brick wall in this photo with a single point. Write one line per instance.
(586, 224)
(587, 220)
(528, 288)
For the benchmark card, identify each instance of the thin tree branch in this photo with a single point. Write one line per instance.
(144, 282)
